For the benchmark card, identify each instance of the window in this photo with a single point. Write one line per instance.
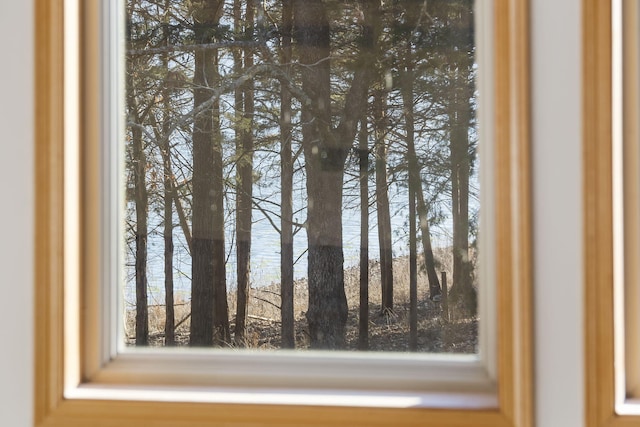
(81, 379)
(611, 181)
(389, 102)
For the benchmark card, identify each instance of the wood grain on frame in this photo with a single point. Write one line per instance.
(600, 216)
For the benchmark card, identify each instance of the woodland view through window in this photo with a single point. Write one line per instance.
(301, 174)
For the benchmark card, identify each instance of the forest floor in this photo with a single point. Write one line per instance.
(387, 332)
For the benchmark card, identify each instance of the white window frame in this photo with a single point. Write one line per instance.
(82, 376)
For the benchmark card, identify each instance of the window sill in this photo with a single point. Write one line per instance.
(298, 370)
(288, 397)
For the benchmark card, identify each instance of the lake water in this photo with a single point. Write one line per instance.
(265, 246)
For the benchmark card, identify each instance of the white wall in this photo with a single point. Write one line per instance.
(557, 212)
(16, 213)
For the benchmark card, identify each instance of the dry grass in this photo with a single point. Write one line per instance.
(388, 332)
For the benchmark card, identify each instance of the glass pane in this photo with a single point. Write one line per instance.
(301, 174)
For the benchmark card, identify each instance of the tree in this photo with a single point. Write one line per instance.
(169, 326)
(363, 151)
(142, 205)
(460, 105)
(286, 187)
(325, 149)
(382, 201)
(448, 81)
(414, 187)
(408, 28)
(244, 177)
(208, 297)
(139, 167)
(429, 258)
(220, 100)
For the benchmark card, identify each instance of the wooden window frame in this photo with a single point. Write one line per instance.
(61, 230)
(611, 173)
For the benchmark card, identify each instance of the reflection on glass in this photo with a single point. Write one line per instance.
(301, 174)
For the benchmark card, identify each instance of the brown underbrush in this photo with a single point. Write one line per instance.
(387, 331)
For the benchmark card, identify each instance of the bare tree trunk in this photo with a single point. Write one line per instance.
(327, 313)
(286, 184)
(169, 325)
(363, 149)
(241, 300)
(463, 293)
(182, 217)
(325, 151)
(221, 311)
(429, 258)
(414, 187)
(208, 231)
(413, 271)
(445, 299)
(141, 199)
(324, 157)
(382, 203)
(142, 207)
(244, 180)
(414, 174)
